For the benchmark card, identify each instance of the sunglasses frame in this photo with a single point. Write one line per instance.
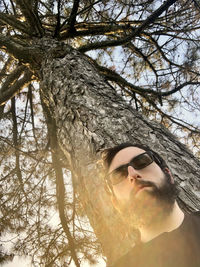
(130, 164)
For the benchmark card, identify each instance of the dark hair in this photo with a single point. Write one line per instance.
(109, 153)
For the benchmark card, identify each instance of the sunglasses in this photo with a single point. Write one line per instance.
(139, 162)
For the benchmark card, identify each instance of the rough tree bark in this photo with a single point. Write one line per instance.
(91, 116)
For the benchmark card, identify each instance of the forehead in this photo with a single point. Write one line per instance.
(124, 156)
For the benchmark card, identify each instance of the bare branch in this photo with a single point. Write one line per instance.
(24, 53)
(30, 97)
(139, 52)
(15, 143)
(72, 18)
(31, 16)
(135, 33)
(15, 23)
(178, 88)
(6, 67)
(60, 187)
(82, 11)
(167, 59)
(82, 29)
(14, 88)
(115, 77)
(50, 264)
(57, 29)
(13, 76)
(177, 121)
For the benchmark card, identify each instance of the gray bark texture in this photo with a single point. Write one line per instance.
(90, 116)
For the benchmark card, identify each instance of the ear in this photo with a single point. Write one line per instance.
(166, 170)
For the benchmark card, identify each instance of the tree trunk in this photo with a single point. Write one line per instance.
(91, 116)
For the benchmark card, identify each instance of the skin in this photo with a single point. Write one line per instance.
(151, 173)
(147, 203)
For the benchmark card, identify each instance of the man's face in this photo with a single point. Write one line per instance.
(144, 194)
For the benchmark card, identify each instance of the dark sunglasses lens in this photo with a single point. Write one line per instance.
(141, 161)
(118, 175)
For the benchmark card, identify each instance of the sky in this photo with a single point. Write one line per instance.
(26, 262)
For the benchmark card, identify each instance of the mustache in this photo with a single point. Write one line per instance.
(141, 183)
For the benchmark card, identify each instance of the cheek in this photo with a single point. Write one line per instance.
(153, 173)
(122, 190)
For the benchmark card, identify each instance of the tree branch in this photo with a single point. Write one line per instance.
(60, 187)
(25, 54)
(83, 29)
(15, 143)
(57, 29)
(173, 119)
(14, 88)
(63, 252)
(178, 88)
(167, 59)
(13, 76)
(72, 17)
(139, 52)
(30, 97)
(31, 16)
(82, 11)
(135, 33)
(6, 67)
(15, 23)
(115, 77)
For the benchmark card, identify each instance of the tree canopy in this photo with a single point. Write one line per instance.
(148, 51)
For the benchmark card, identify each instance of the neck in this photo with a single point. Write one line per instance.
(166, 224)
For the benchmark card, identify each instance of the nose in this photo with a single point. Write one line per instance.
(133, 174)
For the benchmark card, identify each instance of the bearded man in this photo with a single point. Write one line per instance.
(144, 192)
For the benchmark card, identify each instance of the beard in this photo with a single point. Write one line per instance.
(150, 206)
